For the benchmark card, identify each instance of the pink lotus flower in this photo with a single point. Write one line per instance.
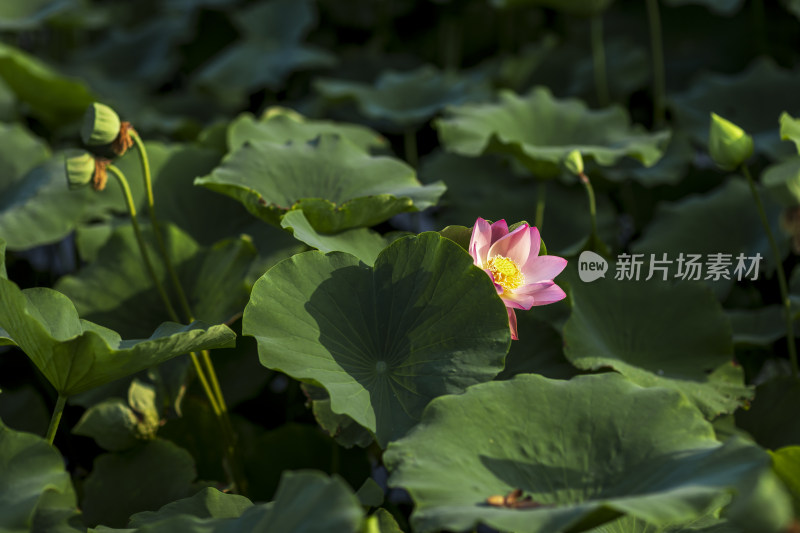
(521, 276)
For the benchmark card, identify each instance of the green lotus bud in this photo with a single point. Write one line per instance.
(80, 166)
(101, 125)
(728, 144)
(574, 162)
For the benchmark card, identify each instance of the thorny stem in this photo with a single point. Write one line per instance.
(56, 418)
(599, 60)
(657, 50)
(159, 287)
(787, 305)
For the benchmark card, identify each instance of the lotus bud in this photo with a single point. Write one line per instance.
(80, 166)
(728, 144)
(101, 125)
(574, 162)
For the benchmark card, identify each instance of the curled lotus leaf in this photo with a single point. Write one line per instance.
(540, 131)
(76, 355)
(335, 183)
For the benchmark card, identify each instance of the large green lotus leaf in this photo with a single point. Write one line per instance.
(574, 7)
(763, 81)
(270, 49)
(117, 292)
(407, 99)
(540, 131)
(386, 340)
(53, 98)
(722, 7)
(38, 208)
(670, 169)
(76, 355)
(154, 475)
(306, 502)
(36, 493)
(282, 125)
(363, 243)
(36, 205)
(208, 503)
(631, 326)
(724, 220)
(758, 327)
(21, 151)
(588, 450)
(485, 187)
(768, 419)
(336, 184)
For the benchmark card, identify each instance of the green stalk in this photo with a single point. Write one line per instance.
(540, 200)
(126, 190)
(594, 239)
(592, 205)
(162, 248)
(210, 382)
(410, 147)
(599, 60)
(657, 50)
(56, 418)
(187, 311)
(787, 305)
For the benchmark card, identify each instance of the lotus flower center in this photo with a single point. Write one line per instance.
(506, 272)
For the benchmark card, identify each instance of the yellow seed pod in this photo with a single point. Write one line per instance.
(101, 125)
(80, 166)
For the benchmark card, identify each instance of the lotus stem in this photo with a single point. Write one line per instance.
(159, 287)
(592, 205)
(657, 51)
(599, 60)
(205, 371)
(184, 302)
(162, 248)
(137, 230)
(787, 305)
(540, 202)
(56, 418)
